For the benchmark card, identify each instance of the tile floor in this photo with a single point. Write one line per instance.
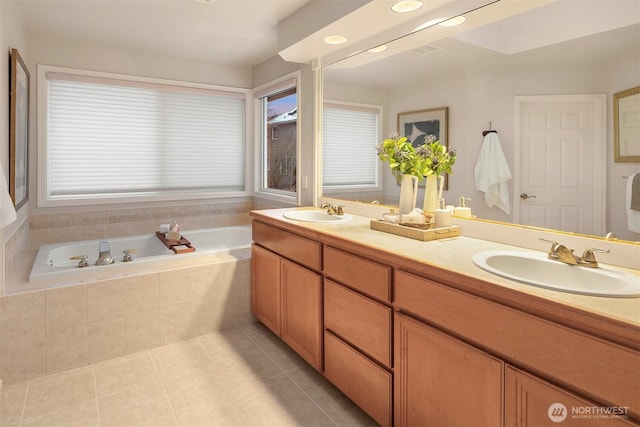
(245, 377)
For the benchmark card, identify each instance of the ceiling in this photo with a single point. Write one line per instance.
(556, 33)
(230, 32)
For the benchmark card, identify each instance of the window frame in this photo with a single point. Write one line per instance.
(353, 188)
(271, 88)
(45, 199)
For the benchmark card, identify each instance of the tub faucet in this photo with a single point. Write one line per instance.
(104, 257)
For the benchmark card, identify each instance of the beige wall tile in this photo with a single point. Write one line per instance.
(105, 299)
(105, 338)
(124, 373)
(145, 405)
(66, 347)
(23, 357)
(142, 330)
(141, 293)
(22, 314)
(202, 317)
(66, 306)
(176, 322)
(176, 286)
(58, 392)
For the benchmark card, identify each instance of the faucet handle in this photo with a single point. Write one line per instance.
(554, 244)
(82, 260)
(127, 254)
(588, 256)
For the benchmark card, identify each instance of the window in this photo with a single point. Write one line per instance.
(279, 112)
(350, 134)
(120, 138)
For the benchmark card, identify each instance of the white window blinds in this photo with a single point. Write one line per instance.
(107, 137)
(349, 139)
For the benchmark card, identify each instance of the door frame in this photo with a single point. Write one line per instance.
(599, 159)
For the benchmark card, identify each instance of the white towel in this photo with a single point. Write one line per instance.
(633, 216)
(492, 173)
(7, 210)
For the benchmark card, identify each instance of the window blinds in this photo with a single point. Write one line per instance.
(349, 139)
(107, 138)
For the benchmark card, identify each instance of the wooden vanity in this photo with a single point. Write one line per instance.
(419, 337)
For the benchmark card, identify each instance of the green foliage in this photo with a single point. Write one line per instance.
(403, 158)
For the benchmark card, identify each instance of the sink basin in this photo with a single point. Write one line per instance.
(537, 270)
(316, 216)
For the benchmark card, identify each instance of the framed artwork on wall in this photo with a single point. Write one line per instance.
(418, 125)
(19, 131)
(626, 132)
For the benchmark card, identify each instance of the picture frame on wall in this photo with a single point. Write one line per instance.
(626, 137)
(417, 125)
(19, 131)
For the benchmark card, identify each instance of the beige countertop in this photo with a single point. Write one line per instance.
(455, 255)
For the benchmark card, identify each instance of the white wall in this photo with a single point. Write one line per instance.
(12, 35)
(475, 97)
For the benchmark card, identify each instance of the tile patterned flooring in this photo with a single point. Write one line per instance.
(245, 377)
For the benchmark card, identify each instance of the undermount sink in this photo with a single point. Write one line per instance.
(537, 270)
(316, 216)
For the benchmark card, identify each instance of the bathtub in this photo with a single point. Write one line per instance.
(53, 264)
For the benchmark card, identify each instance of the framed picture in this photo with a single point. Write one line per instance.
(626, 136)
(418, 125)
(19, 131)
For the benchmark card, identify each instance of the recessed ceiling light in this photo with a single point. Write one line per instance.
(453, 21)
(335, 39)
(430, 23)
(378, 49)
(405, 6)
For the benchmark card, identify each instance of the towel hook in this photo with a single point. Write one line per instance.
(486, 132)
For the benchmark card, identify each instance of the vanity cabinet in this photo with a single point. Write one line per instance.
(414, 344)
(358, 331)
(437, 319)
(286, 296)
(441, 381)
(533, 402)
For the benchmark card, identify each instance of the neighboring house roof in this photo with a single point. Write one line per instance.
(284, 118)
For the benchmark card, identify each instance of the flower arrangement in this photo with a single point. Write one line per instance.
(430, 158)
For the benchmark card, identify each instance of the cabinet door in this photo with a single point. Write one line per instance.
(441, 381)
(530, 401)
(302, 312)
(265, 287)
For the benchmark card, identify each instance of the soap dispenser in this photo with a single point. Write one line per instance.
(462, 210)
(442, 215)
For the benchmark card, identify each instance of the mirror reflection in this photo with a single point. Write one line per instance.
(547, 94)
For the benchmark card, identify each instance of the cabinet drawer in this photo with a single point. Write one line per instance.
(362, 322)
(364, 382)
(598, 369)
(366, 276)
(297, 248)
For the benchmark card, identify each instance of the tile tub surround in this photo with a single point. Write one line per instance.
(20, 249)
(243, 377)
(50, 330)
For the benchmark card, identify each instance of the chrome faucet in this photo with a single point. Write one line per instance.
(104, 257)
(561, 253)
(332, 210)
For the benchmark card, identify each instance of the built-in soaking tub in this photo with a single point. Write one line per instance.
(55, 264)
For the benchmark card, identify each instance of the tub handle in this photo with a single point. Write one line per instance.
(127, 254)
(82, 258)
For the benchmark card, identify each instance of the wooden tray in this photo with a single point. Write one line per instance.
(416, 233)
(174, 244)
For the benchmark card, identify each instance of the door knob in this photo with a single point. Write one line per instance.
(525, 196)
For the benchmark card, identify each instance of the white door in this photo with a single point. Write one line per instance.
(560, 162)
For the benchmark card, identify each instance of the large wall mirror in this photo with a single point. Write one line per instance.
(478, 70)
